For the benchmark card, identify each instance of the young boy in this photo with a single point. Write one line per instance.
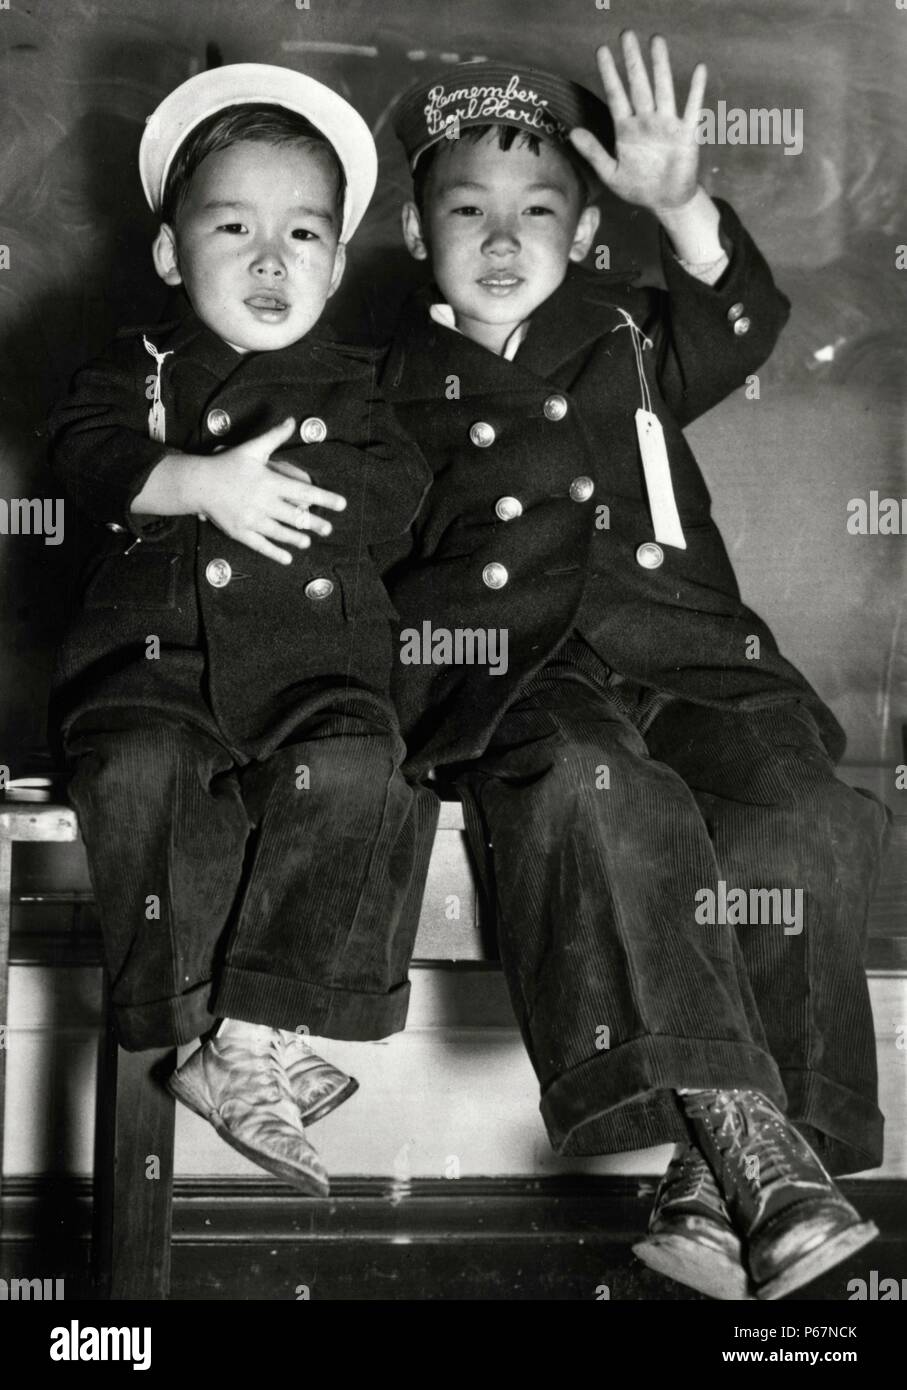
(647, 748)
(222, 692)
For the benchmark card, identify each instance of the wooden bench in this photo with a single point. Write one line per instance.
(131, 1246)
(135, 1114)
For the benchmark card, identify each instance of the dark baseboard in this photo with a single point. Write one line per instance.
(374, 1239)
(58, 948)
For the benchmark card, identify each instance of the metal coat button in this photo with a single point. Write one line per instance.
(482, 434)
(555, 407)
(735, 312)
(650, 555)
(742, 326)
(581, 489)
(115, 526)
(507, 508)
(319, 588)
(218, 573)
(495, 575)
(218, 421)
(313, 430)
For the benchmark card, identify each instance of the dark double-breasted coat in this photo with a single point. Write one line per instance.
(256, 642)
(560, 419)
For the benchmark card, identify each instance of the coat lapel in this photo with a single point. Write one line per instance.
(316, 357)
(583, 309)
(190, 341)
(424, 355)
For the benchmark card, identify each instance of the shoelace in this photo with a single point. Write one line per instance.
(769, 1143)
(689, 1179)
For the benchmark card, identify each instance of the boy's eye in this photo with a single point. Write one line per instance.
(539, 211)
(232, 227)
(303, 234)
(467, 212)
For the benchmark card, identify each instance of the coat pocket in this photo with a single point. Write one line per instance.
(142, 579)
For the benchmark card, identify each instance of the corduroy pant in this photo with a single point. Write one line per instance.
(283, 889)
(609, 825)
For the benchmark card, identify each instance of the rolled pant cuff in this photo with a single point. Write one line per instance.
(164, 1022)
(611, 1081)
(294, 1005)
(845, 1127)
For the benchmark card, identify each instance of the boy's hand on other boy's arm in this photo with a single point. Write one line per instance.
(251, 498)
(656, 152)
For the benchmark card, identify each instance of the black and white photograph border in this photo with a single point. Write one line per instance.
(453, 678)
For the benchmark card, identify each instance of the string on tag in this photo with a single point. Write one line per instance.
(653, 450)
(157, 415)
(639, 341)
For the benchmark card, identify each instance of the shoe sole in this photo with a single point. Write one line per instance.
(285, 1171)
(332, 1102)
(815, 1262)
(688, 1262)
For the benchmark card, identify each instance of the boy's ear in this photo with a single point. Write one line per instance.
(412, 232)
(339, 267)
(584, 235)
(166, 260)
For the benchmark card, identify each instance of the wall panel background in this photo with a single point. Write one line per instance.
(79, 78)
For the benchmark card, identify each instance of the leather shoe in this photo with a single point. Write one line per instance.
(317, 1086)
(796, 1223)
(691, 1237)
(236, 1081)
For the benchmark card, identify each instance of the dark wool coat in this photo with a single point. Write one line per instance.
(246, 639)
(680, 627)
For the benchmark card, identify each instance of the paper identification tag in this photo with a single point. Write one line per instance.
(657, 470)
(157, 422)
(157, 415)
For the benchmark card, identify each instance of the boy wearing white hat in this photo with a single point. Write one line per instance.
(222, 690)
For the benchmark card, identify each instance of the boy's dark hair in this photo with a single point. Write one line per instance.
(508, 135)
(271, 125)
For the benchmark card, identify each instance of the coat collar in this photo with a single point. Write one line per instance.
(583, 309)
(316, 357)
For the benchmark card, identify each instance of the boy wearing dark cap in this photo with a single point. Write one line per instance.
(648, 753)
(222, 692)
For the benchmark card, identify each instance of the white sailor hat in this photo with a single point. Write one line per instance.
(261, 84)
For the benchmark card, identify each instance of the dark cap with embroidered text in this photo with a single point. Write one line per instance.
(540, 103)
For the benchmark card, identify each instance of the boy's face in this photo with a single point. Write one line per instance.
(255, 243)
(500, 227)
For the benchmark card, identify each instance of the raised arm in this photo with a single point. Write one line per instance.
(723, 312)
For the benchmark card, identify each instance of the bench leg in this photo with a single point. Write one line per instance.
(6, 871)
(133, 1173)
